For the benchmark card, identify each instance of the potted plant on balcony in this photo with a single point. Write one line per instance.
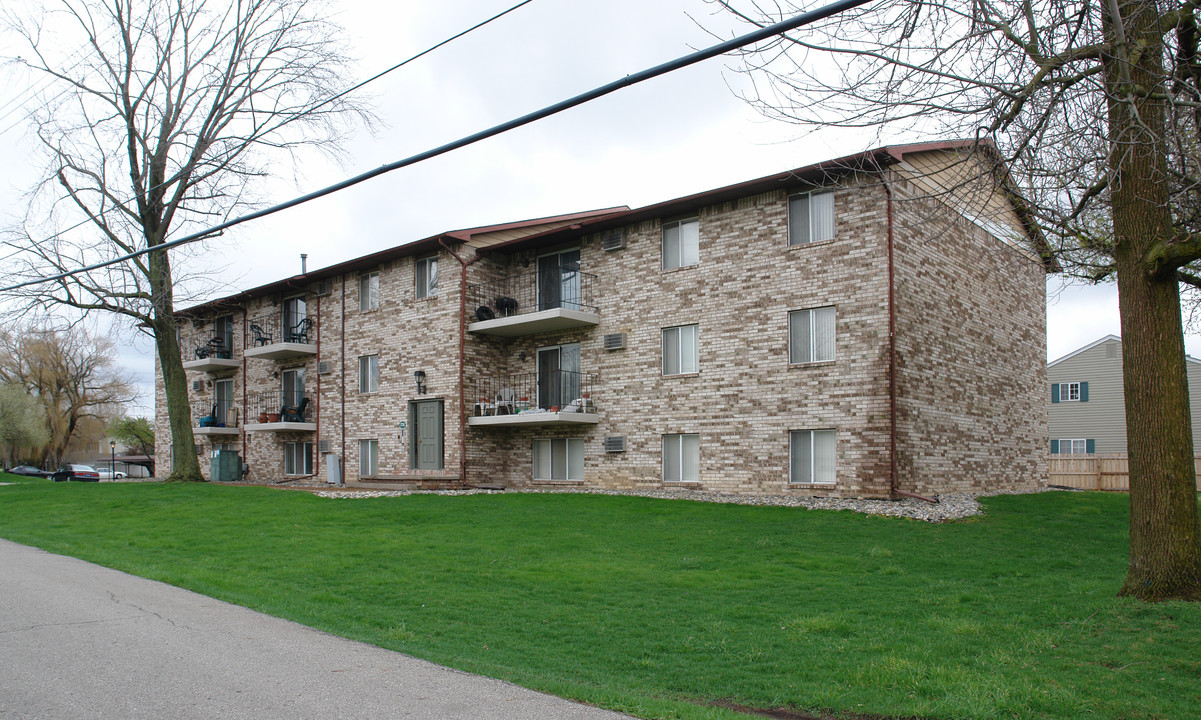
(262, 417)
(272, 417)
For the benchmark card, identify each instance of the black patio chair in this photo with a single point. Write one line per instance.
(294, 413)
(299, 332)
(260, 338)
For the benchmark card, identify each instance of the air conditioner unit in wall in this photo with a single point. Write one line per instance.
(613, 239)
(323, 446)
(615, 443)
(197, 385)
(615, 341)
(324, 368)
(323, 287)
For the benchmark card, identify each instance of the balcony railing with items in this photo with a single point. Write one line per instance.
(277, 336)
(208, 350)
(561, 397)
(215, 416)
(542, 300)
(277, 411)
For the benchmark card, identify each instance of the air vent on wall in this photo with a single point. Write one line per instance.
(197, 384)
(615, 341)
(613, 239)
(615, 443)
(323, 446)
(324, 368)
(199, 449)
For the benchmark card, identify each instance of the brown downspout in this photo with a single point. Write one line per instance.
(462, 344)
(245, 394)
(317, 405)
(893, 491)
(342, 332)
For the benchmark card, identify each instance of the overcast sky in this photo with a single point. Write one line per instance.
(669, 137)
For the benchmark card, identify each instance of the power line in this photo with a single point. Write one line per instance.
(323, 103)
(638, 77)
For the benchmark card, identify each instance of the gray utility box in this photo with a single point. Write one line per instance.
(226, 467)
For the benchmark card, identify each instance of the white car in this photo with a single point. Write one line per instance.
(108, 474)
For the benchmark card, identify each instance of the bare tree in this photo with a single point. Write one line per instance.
(70, 374)
(157, 117)
(1096, 108)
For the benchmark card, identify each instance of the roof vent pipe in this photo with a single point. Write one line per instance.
(303, 258)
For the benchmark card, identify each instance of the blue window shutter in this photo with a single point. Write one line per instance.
(1054, 447)
(1090, 446)
(1083, 392)
(1054, 394)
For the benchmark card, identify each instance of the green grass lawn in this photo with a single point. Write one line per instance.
(664, 608)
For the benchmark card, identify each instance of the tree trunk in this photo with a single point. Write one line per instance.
(1165, 542)
(186, 468)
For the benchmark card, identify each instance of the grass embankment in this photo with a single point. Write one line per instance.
(661, 608)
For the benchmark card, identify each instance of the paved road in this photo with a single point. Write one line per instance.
(81, 641)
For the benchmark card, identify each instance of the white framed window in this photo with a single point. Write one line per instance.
(369, 291)
(427, 276)
(292, 381)
(368, 458)
(811, 456)
(1069, 391)
(810, 217)
(681, 350)
(811, 335)
(682, 457)
(369, 374)
(681, 243)
(223, 398)
(559, 459)
(1073, 446)
(298, 458)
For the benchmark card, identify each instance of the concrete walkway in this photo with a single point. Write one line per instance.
(81, 641)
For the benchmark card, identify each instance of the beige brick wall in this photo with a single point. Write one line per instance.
(971, 349)
(971, 344)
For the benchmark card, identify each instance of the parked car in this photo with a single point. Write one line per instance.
(29, 471)
(108, 474)
(80, 473)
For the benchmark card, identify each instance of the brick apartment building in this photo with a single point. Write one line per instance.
(860, 327)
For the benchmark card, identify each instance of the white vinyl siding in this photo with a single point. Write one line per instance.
(427, 277)
(369, 291)
(812, 456)
(369, 374)
(559, 459)
(681, 457)
(810, 218)
(298, 458)
(681, 349)
(681, 243)
(811, 335)
(368, 458)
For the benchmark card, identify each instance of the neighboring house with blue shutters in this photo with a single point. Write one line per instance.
(1088, 409)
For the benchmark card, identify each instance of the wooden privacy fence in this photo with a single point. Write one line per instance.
(1097, 472)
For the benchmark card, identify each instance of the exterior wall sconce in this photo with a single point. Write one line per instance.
(419, 378)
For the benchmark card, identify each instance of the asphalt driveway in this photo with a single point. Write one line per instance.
(81, 641)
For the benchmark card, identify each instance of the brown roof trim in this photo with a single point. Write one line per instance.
(416, 247)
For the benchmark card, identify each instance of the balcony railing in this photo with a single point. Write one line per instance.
(278, 327)
(560, 391)
(216, 416)
(203, 345)
(562, 287)
(275, 406)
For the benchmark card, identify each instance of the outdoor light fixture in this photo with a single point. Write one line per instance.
(112, 463)
(419, 378)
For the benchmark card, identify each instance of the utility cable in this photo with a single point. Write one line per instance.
(638, 77)
(323, 103)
